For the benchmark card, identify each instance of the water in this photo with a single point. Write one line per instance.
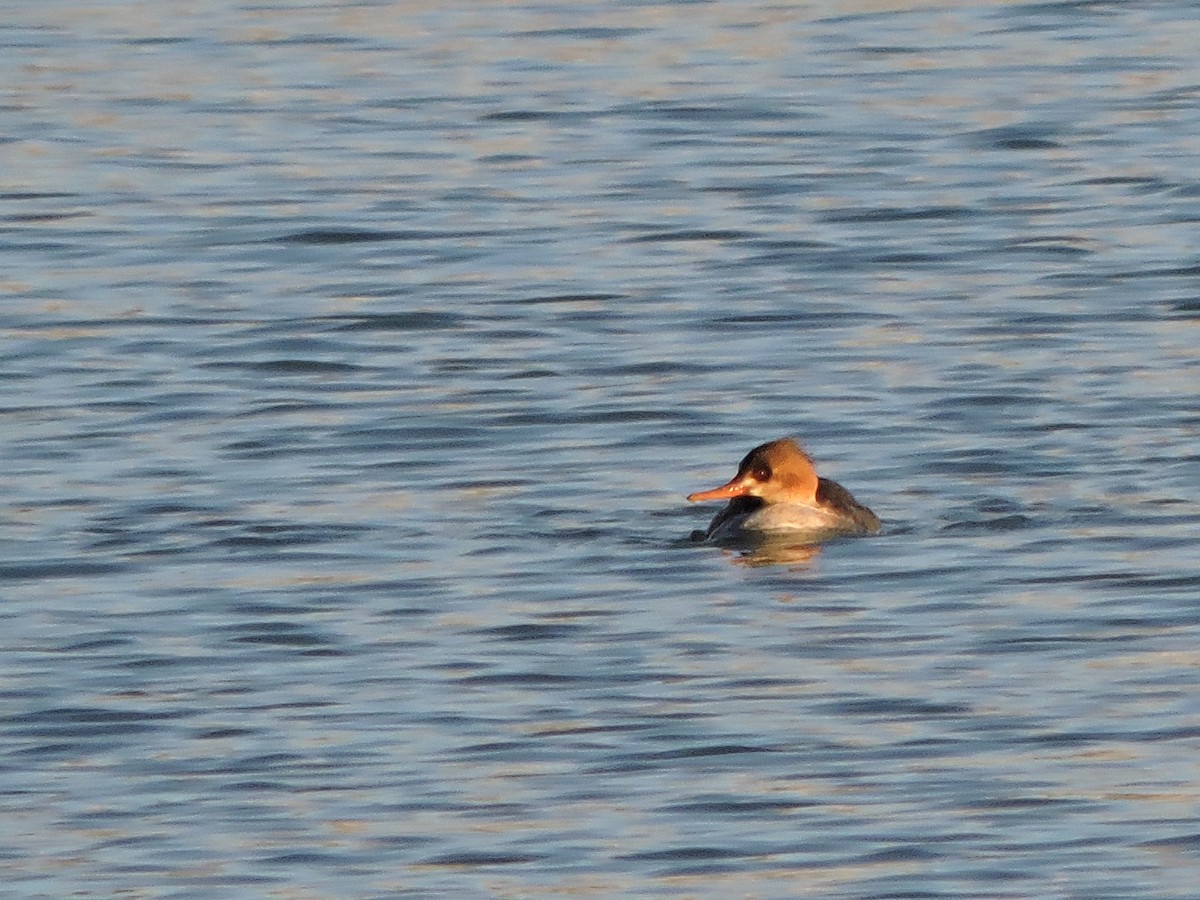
(358, 358)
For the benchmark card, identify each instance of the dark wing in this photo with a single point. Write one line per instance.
(834, 495)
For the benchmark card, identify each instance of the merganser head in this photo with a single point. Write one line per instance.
(776, 472)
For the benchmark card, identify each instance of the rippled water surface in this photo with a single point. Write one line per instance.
(357, 358)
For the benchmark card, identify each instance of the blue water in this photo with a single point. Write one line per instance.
(358, 357)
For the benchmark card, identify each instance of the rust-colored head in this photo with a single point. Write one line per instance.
(776, 472)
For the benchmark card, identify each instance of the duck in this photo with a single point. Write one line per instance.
(777, 494)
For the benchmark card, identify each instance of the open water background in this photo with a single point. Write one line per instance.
(356, 359)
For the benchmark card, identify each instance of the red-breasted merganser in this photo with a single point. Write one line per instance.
(776, 494)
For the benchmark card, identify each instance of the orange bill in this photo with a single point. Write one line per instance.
(736, 488)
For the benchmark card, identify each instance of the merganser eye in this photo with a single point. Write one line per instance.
(761, 473)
